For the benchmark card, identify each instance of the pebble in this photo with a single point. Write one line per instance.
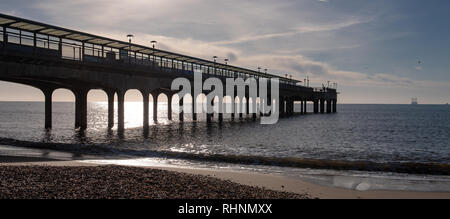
(118, 182)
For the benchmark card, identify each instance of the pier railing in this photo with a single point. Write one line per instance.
(324, 89)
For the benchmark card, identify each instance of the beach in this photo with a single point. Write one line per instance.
(74, 180)
(25, 177)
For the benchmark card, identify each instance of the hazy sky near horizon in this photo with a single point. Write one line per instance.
(371, 48)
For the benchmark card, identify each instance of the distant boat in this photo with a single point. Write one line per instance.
(414, 101)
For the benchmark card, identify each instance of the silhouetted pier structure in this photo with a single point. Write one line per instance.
(49, 57)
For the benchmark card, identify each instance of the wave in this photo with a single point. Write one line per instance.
(398, 167)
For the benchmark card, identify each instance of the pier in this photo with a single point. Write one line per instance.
(49, 58)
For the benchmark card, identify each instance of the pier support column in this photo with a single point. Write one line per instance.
(288, 107)
(247, 106)
(281, 109)
(254, 109)
(110, 94)
(260, 107)
(240, 107)
(328, 106)
(146, 103)
(81, 108)
(322, 106)
(155, 107)
(334, 106)
(169, 107)
(233, 107)
(181, 109)
(121, 111)
(194, 106)
(305, 107)
(316, 106)
(220, 117)
(270, 105)
(209, 110)
(48, 107)
(220, 108)
(301, 106)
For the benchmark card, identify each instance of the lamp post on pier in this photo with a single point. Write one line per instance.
(153, 42)
(215, 60)
(226, 64)
(130, 37)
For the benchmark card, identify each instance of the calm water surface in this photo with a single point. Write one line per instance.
(368, 133)
(379, 133)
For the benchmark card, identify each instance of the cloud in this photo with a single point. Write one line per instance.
(297, 65)
(320, 72)
(304, 29)
(287, 37)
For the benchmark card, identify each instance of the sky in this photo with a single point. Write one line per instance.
(370, 48)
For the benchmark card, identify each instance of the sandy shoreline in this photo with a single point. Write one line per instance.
(268, 181)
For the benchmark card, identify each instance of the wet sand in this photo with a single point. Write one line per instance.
(282, 183)
(265, 184)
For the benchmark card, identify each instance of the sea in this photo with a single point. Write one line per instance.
(362, 146)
